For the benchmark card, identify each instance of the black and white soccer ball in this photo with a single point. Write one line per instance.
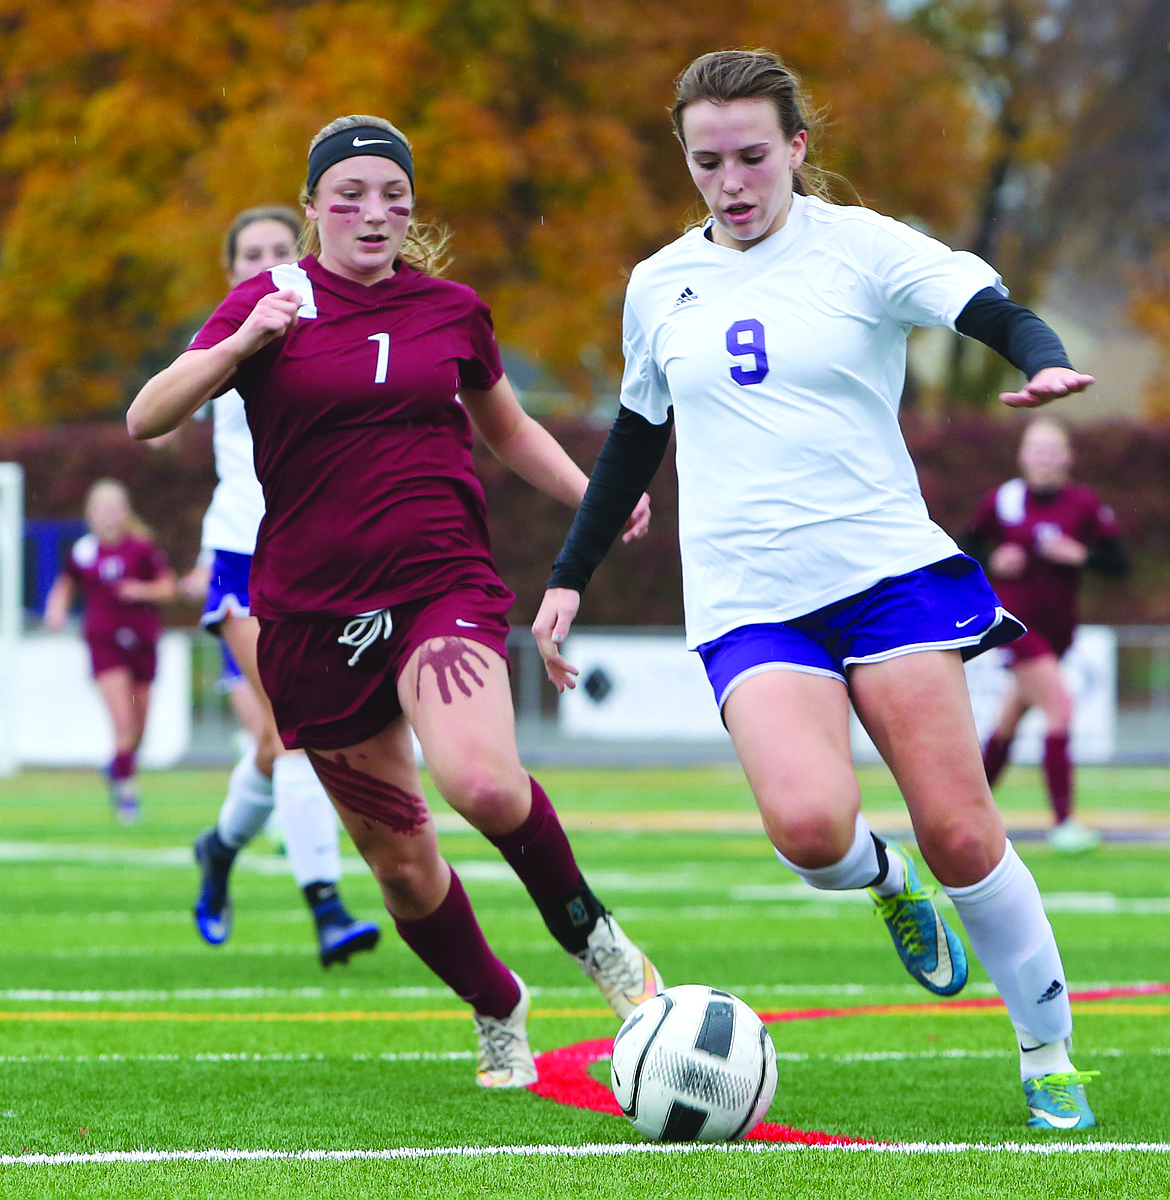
(693, 1064)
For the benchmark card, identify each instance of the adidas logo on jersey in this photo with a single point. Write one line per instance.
(686, 297)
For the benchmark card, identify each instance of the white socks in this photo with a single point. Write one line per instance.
(1009, 932)
(307, 819)
(1005, 921)
(858, 869)
(247, 804)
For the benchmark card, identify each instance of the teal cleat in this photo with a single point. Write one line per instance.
(927, 946)
(1058, 1101)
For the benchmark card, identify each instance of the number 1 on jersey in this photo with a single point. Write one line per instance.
(383, 340)
(753, 343)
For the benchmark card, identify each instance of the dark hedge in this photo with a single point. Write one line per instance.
(958, 460)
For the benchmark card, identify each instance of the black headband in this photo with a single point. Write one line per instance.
(351, 142)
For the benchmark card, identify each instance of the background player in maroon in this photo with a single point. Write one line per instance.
(1036, 535)
(379, 604)
(122, 576)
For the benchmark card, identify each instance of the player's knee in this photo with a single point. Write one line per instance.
(404, 878)
(958, 849)
(489, 800)
(810, 838)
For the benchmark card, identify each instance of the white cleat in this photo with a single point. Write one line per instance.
(1069, 837)
(625, 976)
(504, 1059)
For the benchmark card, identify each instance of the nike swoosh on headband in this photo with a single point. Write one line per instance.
(372, 141)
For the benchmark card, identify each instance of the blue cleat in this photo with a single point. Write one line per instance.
(927, 946)
(213, 908)
(1058, 1101)
(339, 935)
(124, 800)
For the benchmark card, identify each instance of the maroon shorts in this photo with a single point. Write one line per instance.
(333, 681)
(124, 648)
(1036, 644)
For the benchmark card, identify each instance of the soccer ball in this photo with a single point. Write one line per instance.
(693, 1064)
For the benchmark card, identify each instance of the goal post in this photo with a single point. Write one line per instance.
(11, 588)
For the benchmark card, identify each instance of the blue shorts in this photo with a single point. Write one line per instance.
(948, 605)
(227, 591)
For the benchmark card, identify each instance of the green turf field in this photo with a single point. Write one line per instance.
(248, 1071)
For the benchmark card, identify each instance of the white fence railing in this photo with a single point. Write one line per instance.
(641, 695)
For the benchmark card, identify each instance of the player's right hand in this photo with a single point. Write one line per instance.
(550, 629)
(274, 315)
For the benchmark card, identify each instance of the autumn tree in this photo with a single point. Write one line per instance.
(131, 131)
(1150, 308)
(1077, 170)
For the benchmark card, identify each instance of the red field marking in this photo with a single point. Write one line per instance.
(945, 1006)
(563, 1075)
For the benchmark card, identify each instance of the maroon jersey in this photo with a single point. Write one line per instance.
(1044, 597)
(98, 569)
(362, 448)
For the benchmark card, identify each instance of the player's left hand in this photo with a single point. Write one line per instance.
(638, 524)
(1047, 385)
(1064, 550)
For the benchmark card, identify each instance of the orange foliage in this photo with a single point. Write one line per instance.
(133, 130)
(1150, 308)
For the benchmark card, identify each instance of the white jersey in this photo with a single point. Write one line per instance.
(785, 365)
(237, 505)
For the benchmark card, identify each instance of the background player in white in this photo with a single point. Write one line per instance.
(774, 339)
(266, 774)
(381, 611)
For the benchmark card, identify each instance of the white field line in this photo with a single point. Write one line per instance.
(415, 1056)
(165, 995)
(407, 1056)
(590, 1150)
(1064, 902)
(478, 870)
(494, 871)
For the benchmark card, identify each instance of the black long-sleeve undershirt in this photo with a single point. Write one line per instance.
(632, 454)
(1107, 556)
(1013, 332)
(634, 449)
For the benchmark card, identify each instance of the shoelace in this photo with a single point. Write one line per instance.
(364, 630)
(899, 909)
(609, 962)
(1057, 1088)
(496, 1044)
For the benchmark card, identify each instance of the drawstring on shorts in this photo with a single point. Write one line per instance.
(364, 630)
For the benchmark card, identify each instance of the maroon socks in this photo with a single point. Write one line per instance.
(1058, 775)
(540, 854)
(452, 944)
(539, 851)
(995, 756)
